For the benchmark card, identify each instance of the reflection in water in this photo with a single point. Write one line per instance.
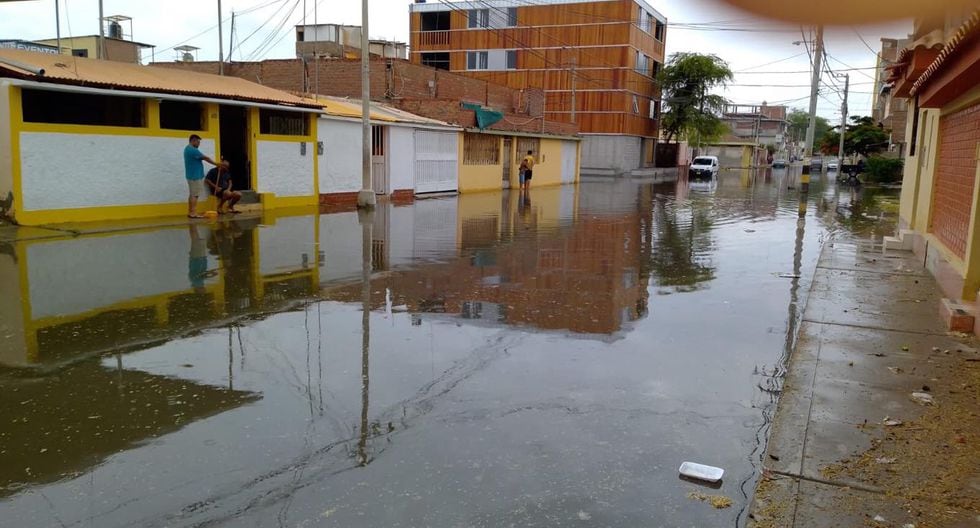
(492, 356)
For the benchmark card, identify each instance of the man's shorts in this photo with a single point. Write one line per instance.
(527, 175)
(196, 187)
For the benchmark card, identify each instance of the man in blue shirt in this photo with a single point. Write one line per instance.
(194, 172)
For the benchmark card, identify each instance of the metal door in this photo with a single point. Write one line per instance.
(569, 155)
(379, 160)
(507, 160)
(436, 161)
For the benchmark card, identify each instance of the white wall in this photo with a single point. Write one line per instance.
(77, 275)
(285, 245)
(6, 159)
(63, 171)
(620, 154)
(401, 158)
(283, 171)
(340, 164)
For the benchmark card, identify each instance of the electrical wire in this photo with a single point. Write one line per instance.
(215, 26)
(842, 63)
(800, 71)
(769, 63)
(876, 53)
(267, 43)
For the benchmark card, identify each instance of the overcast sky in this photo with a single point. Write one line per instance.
(265, 30)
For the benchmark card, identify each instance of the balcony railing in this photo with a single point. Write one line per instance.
(434, 38)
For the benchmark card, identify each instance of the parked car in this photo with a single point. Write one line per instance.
(703, 167)
(779, 164)
(816, 162)
(833, 165)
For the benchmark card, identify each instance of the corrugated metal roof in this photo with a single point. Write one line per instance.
(342, 107)
(64, 69)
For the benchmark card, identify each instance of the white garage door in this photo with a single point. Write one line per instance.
(436, 161)
(568, 158)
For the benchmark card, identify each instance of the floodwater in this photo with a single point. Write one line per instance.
(547, 360)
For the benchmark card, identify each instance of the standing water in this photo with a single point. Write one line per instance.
(537, 360)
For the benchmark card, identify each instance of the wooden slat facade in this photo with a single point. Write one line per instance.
(601, 39)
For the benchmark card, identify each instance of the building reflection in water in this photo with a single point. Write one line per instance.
(554, 259)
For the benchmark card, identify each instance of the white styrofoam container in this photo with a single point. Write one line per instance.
(702, 472)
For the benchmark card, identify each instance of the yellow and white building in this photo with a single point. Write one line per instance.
(88, 140)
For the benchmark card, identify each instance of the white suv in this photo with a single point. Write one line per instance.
(703, 167)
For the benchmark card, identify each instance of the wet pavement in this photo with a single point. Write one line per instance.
(536, 360)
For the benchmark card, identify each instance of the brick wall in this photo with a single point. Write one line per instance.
(415, 88)
(955, 178)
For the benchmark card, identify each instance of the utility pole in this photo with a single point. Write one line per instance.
(231, 37)
(221, 44)
(366, 197)
(814, 91)
(57, 25)
(843, 120)
(573, 89)
(100, 53)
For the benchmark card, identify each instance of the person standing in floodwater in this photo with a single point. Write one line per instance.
(194, 173)
(527, 169)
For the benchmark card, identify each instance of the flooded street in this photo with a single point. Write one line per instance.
(547, 360)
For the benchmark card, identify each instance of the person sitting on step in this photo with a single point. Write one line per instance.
(219, 182)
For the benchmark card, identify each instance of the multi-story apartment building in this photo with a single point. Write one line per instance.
(891, 112)
(762, 125)
(596, 60)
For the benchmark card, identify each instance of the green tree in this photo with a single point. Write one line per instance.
(863, 137)
(799, 121)
(690, 110)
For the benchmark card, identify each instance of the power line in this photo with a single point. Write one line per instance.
(799, 71)
(770, 63)
(215, 26)
(842, 63)
(268, 43)
(284, 3)
(877, 54)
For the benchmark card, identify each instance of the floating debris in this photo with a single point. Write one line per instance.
(719, 502)
(701, 472)
(923, 398)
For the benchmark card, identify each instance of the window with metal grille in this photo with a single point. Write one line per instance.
(180, 115)
(478, 18)
(377, 140)
(524, 144)
(481, 149)
(283, 123)
(42, 106)
(477, 60)
(659, 31)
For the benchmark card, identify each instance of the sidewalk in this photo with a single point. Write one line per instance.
(13, 233)
(871, 336)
